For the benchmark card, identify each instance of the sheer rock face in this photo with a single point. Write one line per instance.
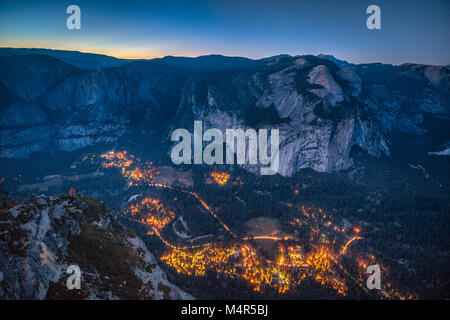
(307, 140)
(321, 105)
(42, 236)
(331, 92)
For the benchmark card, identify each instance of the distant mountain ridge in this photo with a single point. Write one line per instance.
(86, 60)
(82, 60)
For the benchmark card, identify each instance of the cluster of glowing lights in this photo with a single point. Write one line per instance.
(290, 268)
(151, 212)
(322, 261)
(240, 258)
(221, 178)
(237, 260)
(233, 261)
(131, 168)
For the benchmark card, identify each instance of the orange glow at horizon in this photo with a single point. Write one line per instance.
(119, 53)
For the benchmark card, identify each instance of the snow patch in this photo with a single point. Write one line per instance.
(445, 152)
(419, 167)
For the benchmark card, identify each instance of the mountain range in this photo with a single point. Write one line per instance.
(53, 100)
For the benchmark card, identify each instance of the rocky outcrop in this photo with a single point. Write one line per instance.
(318, 108)
(328, 89)
(41, 237)
(80, 108)
(403, 95)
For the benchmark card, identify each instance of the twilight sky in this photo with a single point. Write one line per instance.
(412, 31)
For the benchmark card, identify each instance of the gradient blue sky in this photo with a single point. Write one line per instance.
(412, 31)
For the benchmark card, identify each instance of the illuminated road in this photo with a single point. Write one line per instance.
(268, 238)
(344, 248)
(203, 203)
